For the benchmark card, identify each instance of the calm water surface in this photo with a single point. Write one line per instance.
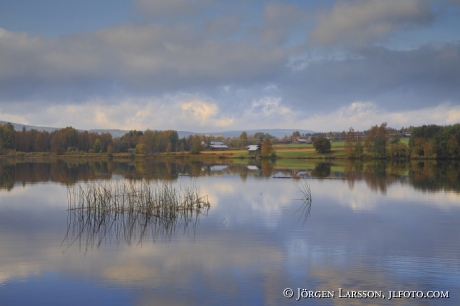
(370, 227)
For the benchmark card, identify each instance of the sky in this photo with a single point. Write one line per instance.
(209, 66)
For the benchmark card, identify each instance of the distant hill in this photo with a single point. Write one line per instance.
(18, 127)
(119, 133)
(275, 132)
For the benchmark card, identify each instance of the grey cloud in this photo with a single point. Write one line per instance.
(145, 56)
(361, 22)
(157, 9)
(279, 20)
(395, 80)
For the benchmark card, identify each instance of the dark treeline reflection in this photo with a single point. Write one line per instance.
(428, 175)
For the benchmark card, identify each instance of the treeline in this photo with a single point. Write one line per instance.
(427, 141)
(434, 141)
(71, 140)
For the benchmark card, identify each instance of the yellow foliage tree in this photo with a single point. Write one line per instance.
(267, 148)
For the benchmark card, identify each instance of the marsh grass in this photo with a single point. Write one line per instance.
(131, 211)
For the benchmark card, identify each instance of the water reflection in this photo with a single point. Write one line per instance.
(354, 239)
(378, 175)
(322, 170)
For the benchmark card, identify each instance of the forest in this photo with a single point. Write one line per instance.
(427, 141)
(70, 139)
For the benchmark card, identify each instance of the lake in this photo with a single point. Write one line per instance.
(375, 233)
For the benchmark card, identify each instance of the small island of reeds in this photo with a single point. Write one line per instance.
(131, 211)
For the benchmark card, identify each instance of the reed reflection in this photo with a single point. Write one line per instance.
(305, 209)
(131, 212)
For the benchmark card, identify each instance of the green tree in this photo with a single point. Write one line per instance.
(322, 145)
(452, 146)
(97, 146)
(140, 149)
(359, 149)
(379, 146)
(243, 139)
(374, 133)
(196, 145)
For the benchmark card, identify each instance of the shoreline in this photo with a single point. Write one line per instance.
(205, 155)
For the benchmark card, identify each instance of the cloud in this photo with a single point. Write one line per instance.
(362, 115)
(279, 20)
(152, 56)
(359, 22)
(222, 65)
(204, 114)
(269, 106)
(396, 80)
(171, 8)
(179, 112)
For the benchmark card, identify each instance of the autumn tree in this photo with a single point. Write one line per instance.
(398, 150)
(348, 145)
(110, 148)
(452, 146)
(267, 148)
(374, 133)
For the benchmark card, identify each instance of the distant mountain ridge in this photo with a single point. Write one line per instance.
(275, 132)
(119, 133)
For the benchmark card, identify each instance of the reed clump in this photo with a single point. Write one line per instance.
(154, 199)
(131, 211)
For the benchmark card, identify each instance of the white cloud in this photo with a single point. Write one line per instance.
(269, 106)
(204, 114)
(179, 112)
(201, 113)
(363, 115)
